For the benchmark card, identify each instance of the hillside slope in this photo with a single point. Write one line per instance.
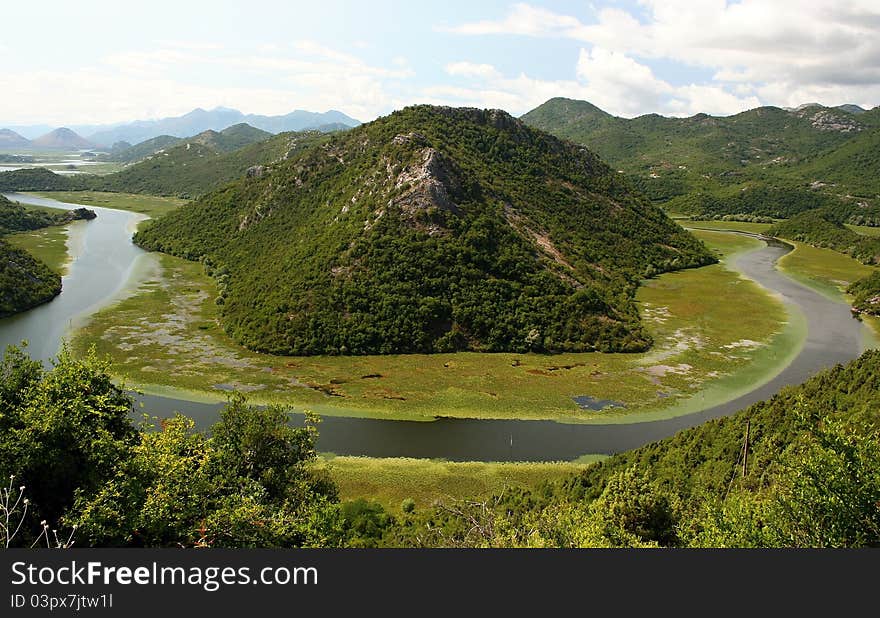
(432, 229)
(197, 165)
(142, 150)
(11, 139)
(24, 281)
(820, 229)
(828, 152)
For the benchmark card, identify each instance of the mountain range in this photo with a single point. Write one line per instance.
(765, 161)
(187, 125)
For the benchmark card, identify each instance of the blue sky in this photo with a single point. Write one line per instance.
(95, 61)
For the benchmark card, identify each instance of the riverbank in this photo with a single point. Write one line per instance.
(165, 339)
(150, 205)
(826, 271)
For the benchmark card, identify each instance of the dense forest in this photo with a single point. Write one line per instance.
(432, 229)
(799, 470)
(25, 281)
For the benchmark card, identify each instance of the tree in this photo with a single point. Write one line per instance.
(64, 431)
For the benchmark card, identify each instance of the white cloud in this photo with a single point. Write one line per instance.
(149, 84)
(471, 69)
(780, 48)
(611, 80)
(523, 19)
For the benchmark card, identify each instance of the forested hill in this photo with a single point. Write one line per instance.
(781, 156)
(432, 229)
(196, 165)
(187, 168)
(24, 281)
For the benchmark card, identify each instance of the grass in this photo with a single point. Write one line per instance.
(864, 230)
(830, 273)
(48, 245)
(737, 226)
(166, 338)
(825, 270)
(149, 205)
(391, 481)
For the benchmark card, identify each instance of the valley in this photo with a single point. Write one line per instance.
(498, 396)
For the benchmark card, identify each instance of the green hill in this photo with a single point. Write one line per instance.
(820, 229)
(24, 281)
(16, 218)
(199, 164)
(713, 144)
(188, 168)
(138, 152)
(828, 152)
(432, 229)
(41, 179)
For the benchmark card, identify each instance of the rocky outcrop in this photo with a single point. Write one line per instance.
(432, 182)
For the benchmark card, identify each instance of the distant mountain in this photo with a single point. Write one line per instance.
(30, 131)
(238, 136)
(62, 139)
(432, 229)
(301, 121)
(11, 139)
(141, 151)
(200, 120)
(852, 109)
(181, 167)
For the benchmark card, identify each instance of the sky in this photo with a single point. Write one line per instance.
(105, 61)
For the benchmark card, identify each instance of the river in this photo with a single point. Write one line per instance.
(106, 264)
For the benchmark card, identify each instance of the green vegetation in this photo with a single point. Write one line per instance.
(390, 482)
(40, 179)
(419, 233)
(765, 162)
(25, 281)
(753, 202)
(825, 270)
(142, 150)
(151, 205)
(799, 470)
(67, 439)
(202, 163)
(811, 478)
(192, 167)
(819, 229)
(165, 338)
(866, 293)
(14, 217)
(48, 245)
